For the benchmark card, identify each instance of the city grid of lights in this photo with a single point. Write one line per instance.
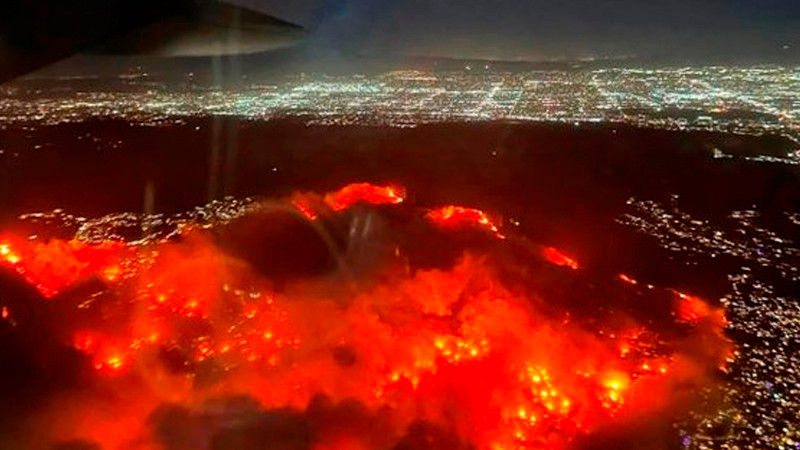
(754, 100)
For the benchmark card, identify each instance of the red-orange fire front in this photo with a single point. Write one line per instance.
(464, 348)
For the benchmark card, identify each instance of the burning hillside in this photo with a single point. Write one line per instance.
(352, 320)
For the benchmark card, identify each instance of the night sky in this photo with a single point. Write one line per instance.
(545, 29)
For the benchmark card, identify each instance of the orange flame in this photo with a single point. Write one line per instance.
(695, 310)
(555, 256)
(453, 346)
(54, 265)
(457, 216)
(363, 192)
(627, 279)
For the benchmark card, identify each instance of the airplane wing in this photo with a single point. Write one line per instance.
(35, 33)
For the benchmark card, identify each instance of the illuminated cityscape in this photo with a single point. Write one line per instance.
(755, 402)
(400, 225)
(751, 100)
(763, 396)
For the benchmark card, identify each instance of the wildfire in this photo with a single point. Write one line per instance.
(8, 256)
(300, 204)
(453, 346)
(555, 256)
(627, 279)
(57, 264)
(363, 192)
(695, 310)
(456, 216)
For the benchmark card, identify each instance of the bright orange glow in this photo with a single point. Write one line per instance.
(84, 341)
(113, 361)
(8, 255)
(617, 381)
(627, 279)
(363, 192)
(694, 310)
(454, 346)
(306, 210)
(458, 216)
(555, 256)
(56, 264)
(112, 272)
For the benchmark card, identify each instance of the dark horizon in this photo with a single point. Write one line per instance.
(306, 59)
(712, 30)
(344, 36)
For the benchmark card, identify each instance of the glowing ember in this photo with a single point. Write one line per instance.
(694, 310)
(8, 255)
(54, 265)
(455, 216)
(363, 192)
(306, 210)
(555, 256)
(627, 279)
(184, 322)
